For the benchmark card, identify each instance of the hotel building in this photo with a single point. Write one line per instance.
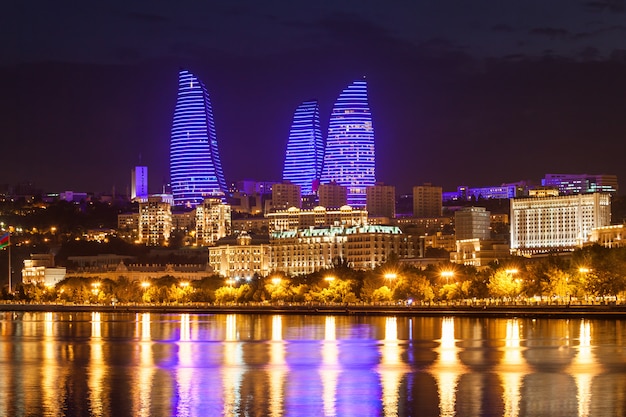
(295, 218)
(545, 224)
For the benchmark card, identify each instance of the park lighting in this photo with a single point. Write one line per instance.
(329, 279)
(511, 271)
(584, 270)
(447, 274)
(391, 276)
(184, 284)
(145, 285)
(276, 280)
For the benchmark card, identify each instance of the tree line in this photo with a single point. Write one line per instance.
(587, 274)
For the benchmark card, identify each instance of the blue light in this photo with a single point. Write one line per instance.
(195, 167)
(349, 157)
(305, 149)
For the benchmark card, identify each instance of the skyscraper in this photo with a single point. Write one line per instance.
(349, 158)
(195, 167)
(305, 149)
(139, 183)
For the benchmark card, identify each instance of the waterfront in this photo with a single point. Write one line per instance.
(122, 363)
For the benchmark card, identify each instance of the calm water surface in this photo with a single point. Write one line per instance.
(126, 364)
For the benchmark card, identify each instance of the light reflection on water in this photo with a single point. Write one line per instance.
(118, 364)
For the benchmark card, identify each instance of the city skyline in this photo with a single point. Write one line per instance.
(459, 96)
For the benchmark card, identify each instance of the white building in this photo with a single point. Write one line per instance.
(40, 269)
(544, 224)
(306, 250)
(240, 257)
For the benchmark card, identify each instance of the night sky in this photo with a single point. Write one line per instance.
(475, 93)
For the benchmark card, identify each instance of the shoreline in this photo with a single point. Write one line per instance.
(527, 311)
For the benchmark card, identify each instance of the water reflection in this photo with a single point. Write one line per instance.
(329, 371)
(142, 385)
(146, 364)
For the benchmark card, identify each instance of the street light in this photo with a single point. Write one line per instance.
(329, 279)
(447, 275)
(276, 280)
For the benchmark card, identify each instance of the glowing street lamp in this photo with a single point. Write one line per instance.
(145, 285)
(391, 276)
(184, 284)
(276, 280)
(447, 275)
(329, 279)
(584, 270)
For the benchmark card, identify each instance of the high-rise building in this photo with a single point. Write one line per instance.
(286, 195)
(195, 167)
(545, 224)
(139, 183)
(381, 200)
(155, 221)
(472, 223)
(213, 221)
(332, 195)
(305, 149)
(427, 200)
(349, 157)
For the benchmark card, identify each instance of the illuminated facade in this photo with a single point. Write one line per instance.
(349, 157)
(195, 167)
(306, 250)
(581, 183)
(294, 218)
(139, 183)
(305, 149)
(213, 221)
(240, 257)
(556, 223)
(155, 221)
(609, 236)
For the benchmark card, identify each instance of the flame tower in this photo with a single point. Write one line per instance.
(349, 158)
(305, 148)
(195, 167)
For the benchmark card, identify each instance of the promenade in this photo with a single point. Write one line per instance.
(546, 311)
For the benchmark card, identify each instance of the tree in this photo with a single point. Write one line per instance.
(503, 285)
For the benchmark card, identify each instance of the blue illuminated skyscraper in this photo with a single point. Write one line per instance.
(195, 167)
(349, 158)
(305, 149)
